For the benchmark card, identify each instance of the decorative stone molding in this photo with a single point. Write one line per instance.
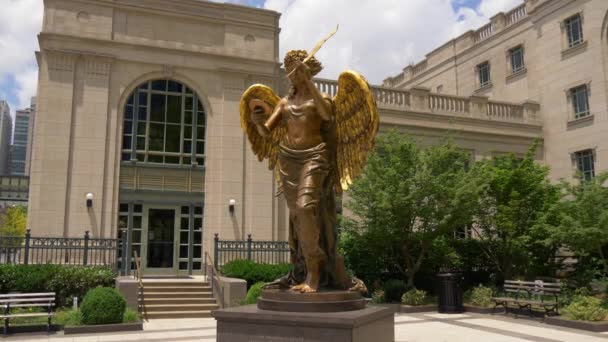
(168, 71)
(97, 67)
(234, 84)
(61, 60)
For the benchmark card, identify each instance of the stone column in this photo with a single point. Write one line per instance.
(531, 111)
(479, 106)
(419, 100)
(499, 22)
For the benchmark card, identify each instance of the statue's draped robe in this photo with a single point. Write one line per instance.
(308, 183)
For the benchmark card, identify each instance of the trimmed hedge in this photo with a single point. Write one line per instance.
(253, 272)
(394, 290)
(66, 281)
(254, 293)
(103, 305)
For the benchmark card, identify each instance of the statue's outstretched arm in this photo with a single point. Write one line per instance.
(264, 126)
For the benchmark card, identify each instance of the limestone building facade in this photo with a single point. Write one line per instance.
(552, 52)
(137, 111)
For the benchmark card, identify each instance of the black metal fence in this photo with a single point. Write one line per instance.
(83, 251)
(267, 252)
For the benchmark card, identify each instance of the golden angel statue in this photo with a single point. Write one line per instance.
(316, 145)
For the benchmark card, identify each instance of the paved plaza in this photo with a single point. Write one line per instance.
(424, 327)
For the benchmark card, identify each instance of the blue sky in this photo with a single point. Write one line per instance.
(396, 33)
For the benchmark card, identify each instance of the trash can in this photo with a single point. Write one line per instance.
(450, 292)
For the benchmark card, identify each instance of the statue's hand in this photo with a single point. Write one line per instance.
(258, 115)
(302, 72)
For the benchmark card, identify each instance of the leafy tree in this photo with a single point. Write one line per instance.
(514, 194)
(14, 220)
(406, 199)
(580, 221)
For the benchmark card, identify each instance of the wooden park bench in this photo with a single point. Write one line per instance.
(529, 294)
(27, 300)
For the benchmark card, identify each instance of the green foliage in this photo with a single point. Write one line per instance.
(66, 281)
(481, 296)
(378, 297)
(13, 223)
(585, 308)
(513, 195)
(580, 221)
(254, 293)
(70, 318)
(393, 290)
(131, 316)
(406, 198)
(413, 297)
(253, 272)
(103, 305)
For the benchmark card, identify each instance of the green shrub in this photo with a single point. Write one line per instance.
(254, 292)
(103, 305)
(131, 316)
(378, 297)
(66, 281)
(481, 296)
(585, 308)
(69, 318)
(393, 290)
(253, 272)
(413, 297)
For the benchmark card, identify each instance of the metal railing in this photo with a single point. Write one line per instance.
(215, 280)
(85, 251)
(266, 252)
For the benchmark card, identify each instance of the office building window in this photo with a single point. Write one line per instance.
(574, 30)
(517, 59)
(580, 101)
(483, 71)
(585, 164)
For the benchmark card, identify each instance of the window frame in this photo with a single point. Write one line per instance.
(579, 162)
(136, 146)
(574, 93)
(480, 67)
(568, 26)
(512, 51)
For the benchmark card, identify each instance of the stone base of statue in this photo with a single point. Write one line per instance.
(322, 301)
(326, 316)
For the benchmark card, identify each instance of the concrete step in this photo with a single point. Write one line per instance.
(177, 289)
(178, 314)
(176, 284)
(178, 301)
(179, 307)
(177, 294)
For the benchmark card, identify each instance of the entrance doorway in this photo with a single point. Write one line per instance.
(168, 238)
(161, 238)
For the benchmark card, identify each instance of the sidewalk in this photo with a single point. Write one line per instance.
(424, 327)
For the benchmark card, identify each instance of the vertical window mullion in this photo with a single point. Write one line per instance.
(194, 128)
(135, 123)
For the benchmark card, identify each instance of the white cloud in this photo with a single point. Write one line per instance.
(489, 8)
(20, 23)
(377, 37)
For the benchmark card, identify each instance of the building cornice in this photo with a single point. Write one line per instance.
(195, 9)
(47, 40)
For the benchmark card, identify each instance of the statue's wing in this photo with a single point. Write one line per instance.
(356, 125)
(263, 147)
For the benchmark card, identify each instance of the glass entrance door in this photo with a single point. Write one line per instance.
(161, 239)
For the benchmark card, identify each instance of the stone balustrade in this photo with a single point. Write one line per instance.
(421, 100)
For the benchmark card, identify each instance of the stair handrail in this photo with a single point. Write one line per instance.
(138, 270)
(215, 277)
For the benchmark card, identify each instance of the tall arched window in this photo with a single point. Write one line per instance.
(164, 123)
